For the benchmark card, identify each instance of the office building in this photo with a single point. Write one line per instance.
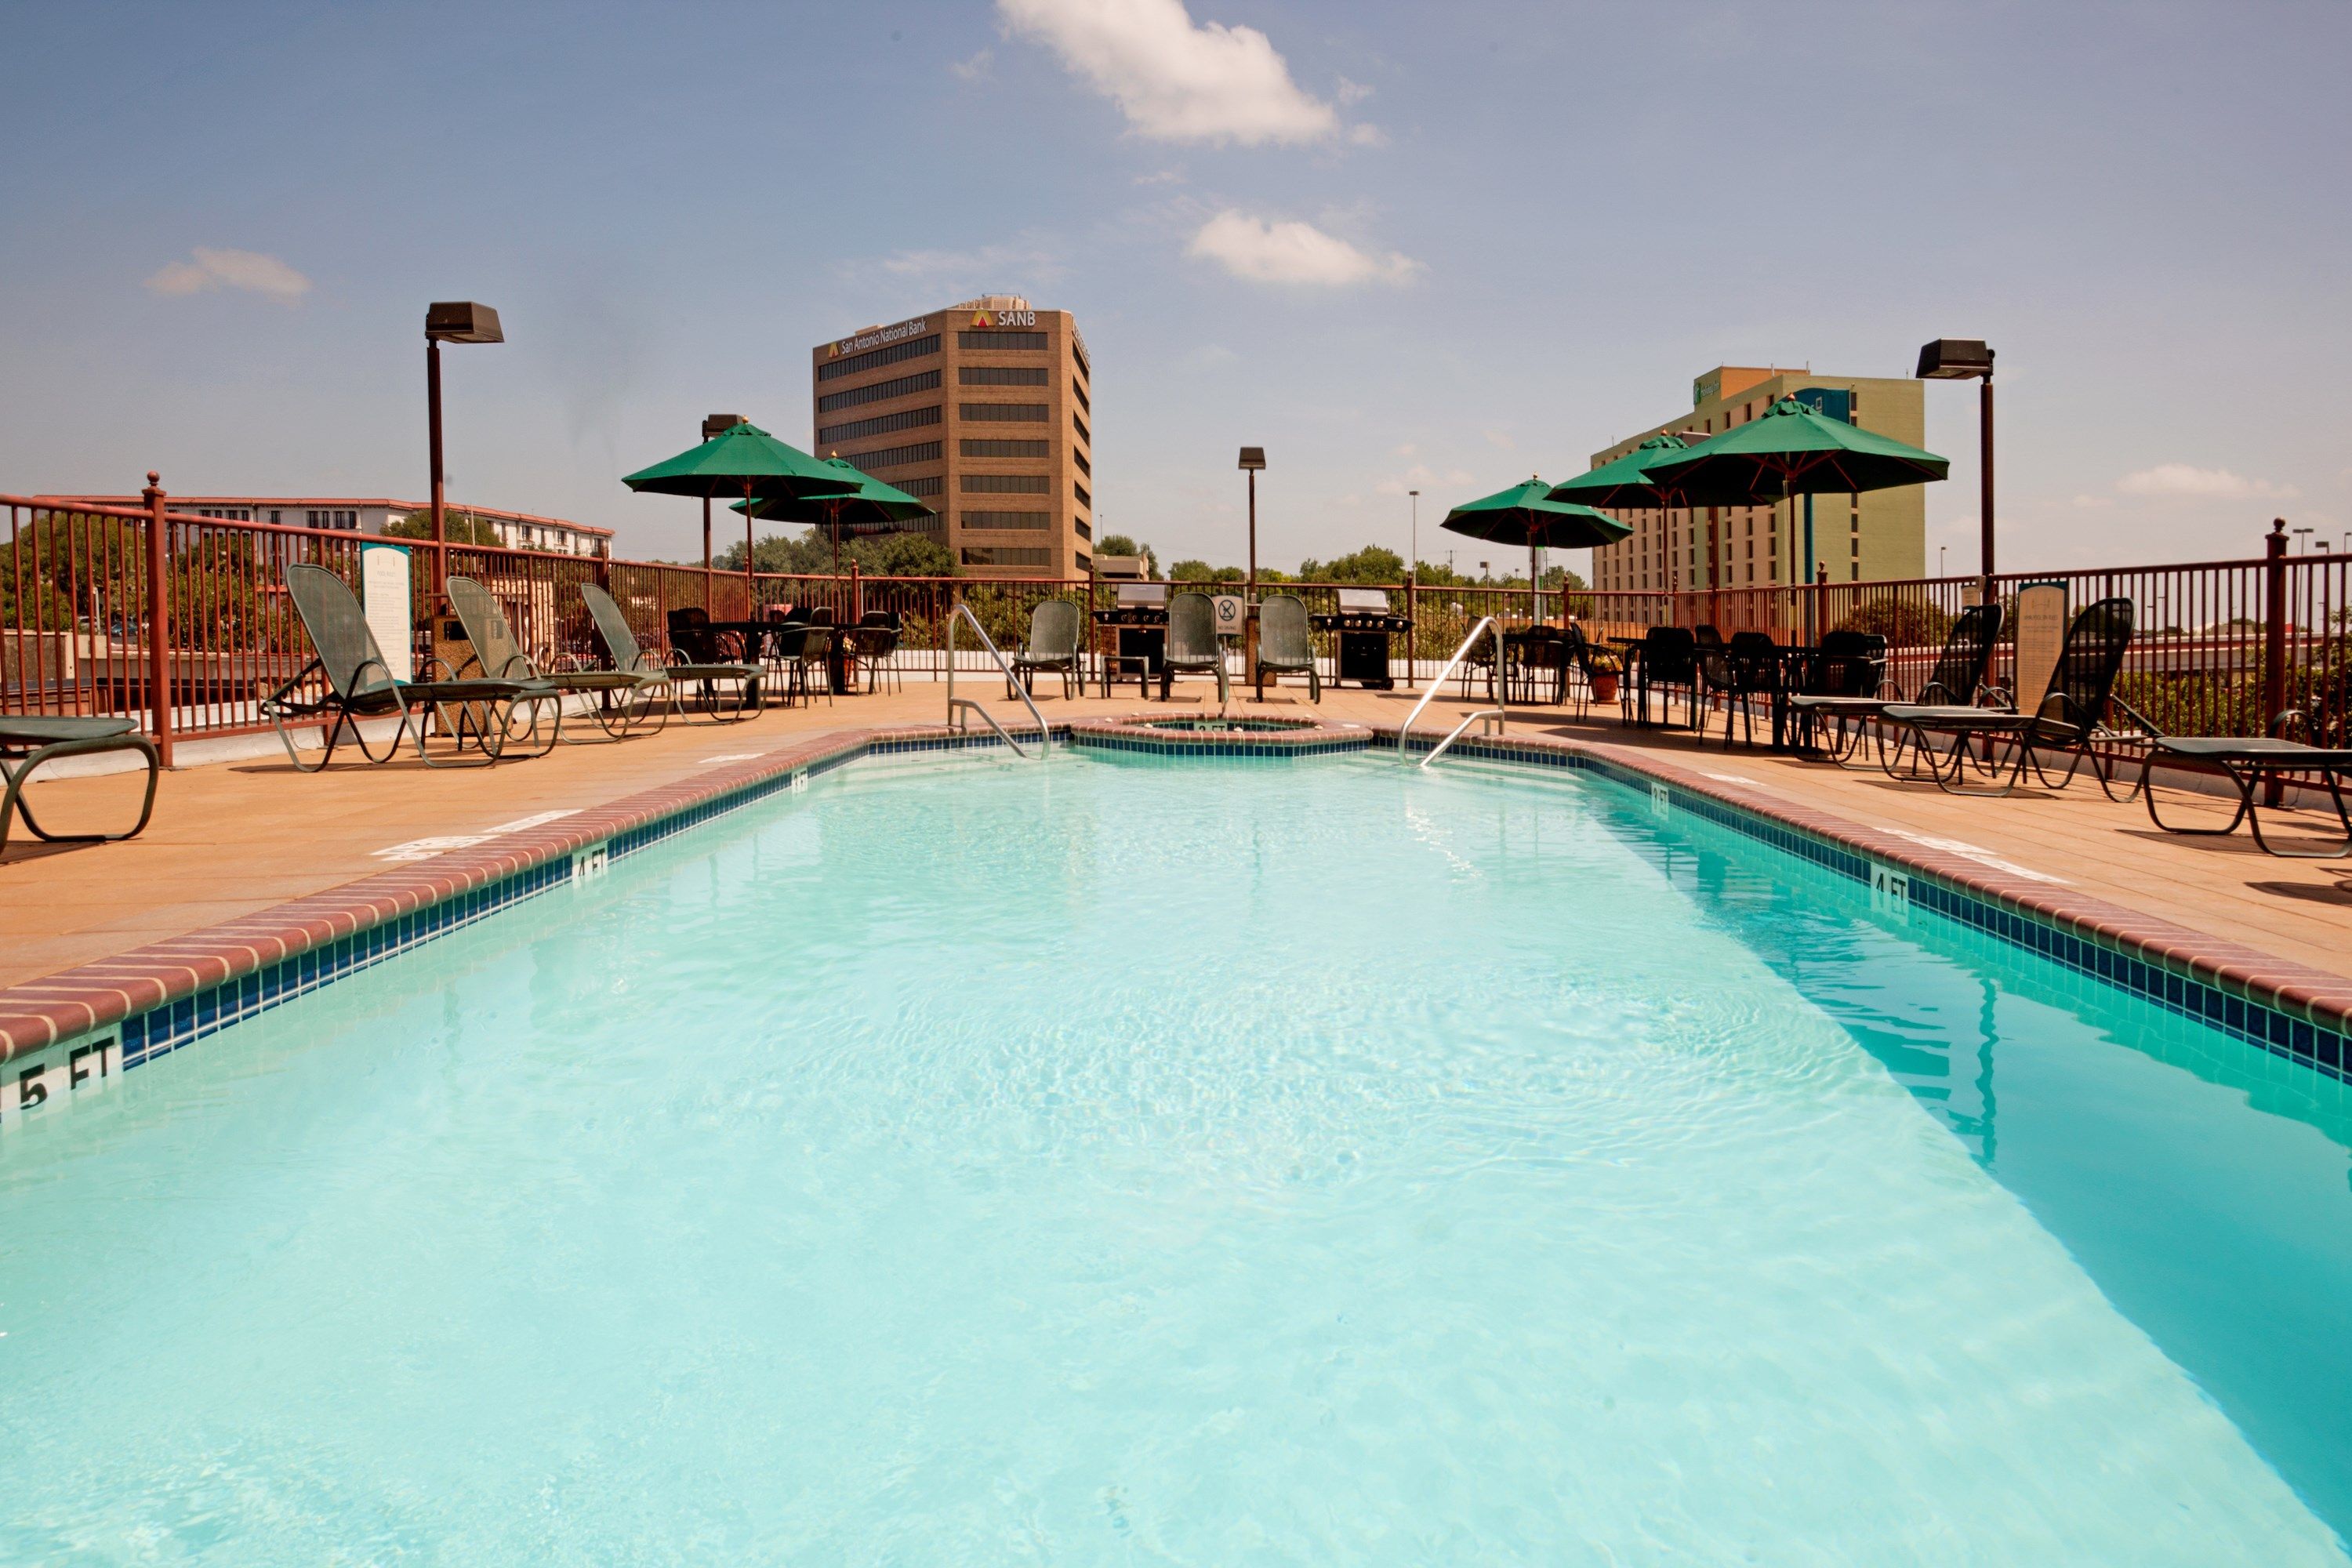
(369, 514)
(1877, 534)
(981, 410)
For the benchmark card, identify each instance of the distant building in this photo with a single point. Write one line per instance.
(517, 530)
(1875, 535)
(981, 411)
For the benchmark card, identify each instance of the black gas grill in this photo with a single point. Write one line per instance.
(1365, 624)
(1131, 637)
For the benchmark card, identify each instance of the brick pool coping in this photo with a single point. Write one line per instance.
(42, 1012)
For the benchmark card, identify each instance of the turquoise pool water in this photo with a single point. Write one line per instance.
(1127, 1161)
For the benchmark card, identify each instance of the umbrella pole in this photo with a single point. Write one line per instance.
(706, 553)
(1809, 597)
(1534, 587)
(750, 588)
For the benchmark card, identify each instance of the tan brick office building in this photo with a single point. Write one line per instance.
(1875, 535)
(981, 410)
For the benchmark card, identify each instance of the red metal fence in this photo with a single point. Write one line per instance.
(183, 622)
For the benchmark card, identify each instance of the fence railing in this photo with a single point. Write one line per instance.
(183, 622)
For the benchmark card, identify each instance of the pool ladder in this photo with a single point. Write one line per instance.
(960, 707)
(1494, 718)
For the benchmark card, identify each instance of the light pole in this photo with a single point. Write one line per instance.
(2299, 533)
(1252, 459)
(1957, 358)
(450, 321)
(1939, 560)
(1413, 566)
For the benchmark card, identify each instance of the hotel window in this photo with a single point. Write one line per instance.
(1078, 352)
(1084, 434)
(850, 365)
(998, 555)
(1080, 459)
(1086, 533)
(994, 449)
(1000, 376)
(1080, 393)
(1006, 413)
(894, 457)
(899, 388)
(1085, 562)
(880, 425)
(1023, 522)
(929, 485)
(987, 339)
(1007, 484)
(1083, 499)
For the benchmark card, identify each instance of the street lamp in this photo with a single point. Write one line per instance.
(448, 321)
(1939, 560)
(2306, 546)
(713, 427)
(1252, 459)
(1413, 565)
(1957, 358)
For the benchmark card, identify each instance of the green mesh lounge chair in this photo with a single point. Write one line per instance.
(1057, 636)
(1282, 645)
(2252, 763)
(623, 701)
(1192, 648)
(27, 741)
(359, 686)
(622, 647)
(2072, 717)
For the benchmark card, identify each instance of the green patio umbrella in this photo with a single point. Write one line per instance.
(1623, 481)
(870, 506)
(1790, 449)
(742, 460)
(1526, 515)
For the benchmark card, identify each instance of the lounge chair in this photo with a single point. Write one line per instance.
(1282, 645)
(2071, 718)
(499, 656)
(30, 740)
(2252, 763)
(1193, 647)
(359, 686)
(1056, 639)
(621, 646)
(1957, 679)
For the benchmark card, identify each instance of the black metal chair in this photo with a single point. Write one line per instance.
(875, 644)
(1748, 668)
(1667, 660)
(1957, 679)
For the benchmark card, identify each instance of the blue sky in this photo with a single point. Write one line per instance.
(1394, 243)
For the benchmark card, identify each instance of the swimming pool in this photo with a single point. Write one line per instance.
(1124, 1160)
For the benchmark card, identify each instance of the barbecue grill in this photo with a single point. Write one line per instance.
(1131, 636)
(1365, 622)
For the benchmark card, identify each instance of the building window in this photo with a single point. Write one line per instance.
(900, 387)
(1000, 376)
(276, 515)
(1007, 484)
(1014, 520)
(880, 425)
(1083, 499)
(989, 448)
(1007, 413)
(929, 485)
(1079, 393)
(993, 340)
(1084, 434)
(893, 457)
(1084, 466)
(1078, 351)
(1086, 563)
(998, 555)
(851, 364)
(1084, 532)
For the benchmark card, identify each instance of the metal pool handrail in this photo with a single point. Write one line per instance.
(1498, 716)
(955, 703)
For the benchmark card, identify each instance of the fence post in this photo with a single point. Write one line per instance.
(857, 594)
(2274, 631)
(159, 624)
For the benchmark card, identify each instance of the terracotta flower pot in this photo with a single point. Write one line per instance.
(1604, 688)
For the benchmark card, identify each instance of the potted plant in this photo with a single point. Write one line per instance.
(1604, 669)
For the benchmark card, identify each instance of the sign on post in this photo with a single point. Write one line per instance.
(384, 593)
(1232, 614)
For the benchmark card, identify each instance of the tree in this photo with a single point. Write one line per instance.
(1372, 564)
(1123, 545)
(462, 528)
(811, 555)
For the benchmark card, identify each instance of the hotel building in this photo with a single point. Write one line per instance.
(981, 410)
(370, 514)
(1874, 535)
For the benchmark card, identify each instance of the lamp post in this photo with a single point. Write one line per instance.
(713, 427)
(1252, 459)
(1939, 560)
(1957, 358)
(448, 321)
(2301, 533)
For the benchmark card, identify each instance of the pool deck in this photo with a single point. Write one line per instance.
(232, 841)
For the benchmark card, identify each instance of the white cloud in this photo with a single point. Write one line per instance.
(1368, 135)
(975, 69)
(1501, 439)
(988, 268)
(1407, 449)
(2184, 481)
(1352, 91)
(1164, 177)
(1174, 80)
(249, 270)
(1287, 251)
(1420, 476)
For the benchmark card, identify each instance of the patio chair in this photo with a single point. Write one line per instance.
(1957, 679)
(499, 656)
(1669, 658)
(2251, 764)
(30, 740)
(690, 634)
(621, 646)
(1056, 640)
(1192, 648)
(874, 642)
(800, 653)
(359, 686)
(1282, 645)
(1747, 668)
(2071, 718)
